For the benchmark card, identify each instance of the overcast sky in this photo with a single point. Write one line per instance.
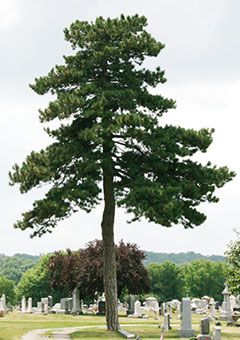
(202, 64)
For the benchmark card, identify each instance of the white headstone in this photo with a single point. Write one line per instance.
(39, 305)
(29, 306)
(226, 306)
(212, 309)
(233, 302)
(23, 305)
(4, 305)
(137, 309)
(186, 330)
(217, 333)
(151, 303)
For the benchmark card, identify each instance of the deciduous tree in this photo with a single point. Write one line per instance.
(111, 143)
(203, 277)
(166, 281)
(7, 287)
(233, 260)
(84, 269)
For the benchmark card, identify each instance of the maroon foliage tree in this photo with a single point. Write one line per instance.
(84, 269)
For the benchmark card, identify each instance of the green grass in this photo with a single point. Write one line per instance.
(95, 335)
(15, 324)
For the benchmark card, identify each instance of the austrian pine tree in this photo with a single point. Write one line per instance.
(111, 145)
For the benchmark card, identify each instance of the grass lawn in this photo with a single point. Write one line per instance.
(15, 324)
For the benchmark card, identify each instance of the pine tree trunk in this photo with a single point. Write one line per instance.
(109, 256)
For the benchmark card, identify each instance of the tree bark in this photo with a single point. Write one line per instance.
(109, 255)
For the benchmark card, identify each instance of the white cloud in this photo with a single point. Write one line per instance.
(9, 12)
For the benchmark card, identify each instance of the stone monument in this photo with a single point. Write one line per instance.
(186, 330)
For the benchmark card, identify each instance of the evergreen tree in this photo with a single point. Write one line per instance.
(111, 134)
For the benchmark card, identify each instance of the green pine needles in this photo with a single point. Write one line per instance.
(111, 125)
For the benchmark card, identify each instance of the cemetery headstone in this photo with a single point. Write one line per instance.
(212, 309)
(204, 330)
(39, 305)
(76, 308)
(4, 305)
(217, 333)
(64, 305)
(137, 309)
(23, 306)
(132, 300)
(167, 326)
(186, 330)
(101, 307)
(151, 303)
(29, 306)
(50, 301)
(226, 306)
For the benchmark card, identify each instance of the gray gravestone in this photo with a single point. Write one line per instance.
(204, 329)
(205, 326)
(186, 330)
(76, 308)
(64, 304)
(101, 308)
(167, 322)
(132, 300)
(50, 301)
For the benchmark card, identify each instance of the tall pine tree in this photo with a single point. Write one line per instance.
(111, 144)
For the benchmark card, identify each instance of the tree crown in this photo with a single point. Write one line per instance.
(110, 123)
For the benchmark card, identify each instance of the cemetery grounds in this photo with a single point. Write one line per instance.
(14, 325)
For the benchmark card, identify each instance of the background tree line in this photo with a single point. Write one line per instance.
(58, 273)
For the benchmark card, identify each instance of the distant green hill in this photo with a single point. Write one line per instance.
(14, 266)
(179, 258)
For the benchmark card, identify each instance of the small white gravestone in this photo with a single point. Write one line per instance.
(76, 308)
(186, 330)
(29, 306)
(39, 306)
(233, 302)
(23, 305)
(212, 309)
(151, 303)
(217, 333)
(137, 309)
(4, 305)
(226, 306)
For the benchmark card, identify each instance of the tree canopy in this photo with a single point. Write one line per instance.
(7, 287)
(203, 277)
(233, 260)
(110, 142)
(166, 281)
(35, 283)
(84, 269)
